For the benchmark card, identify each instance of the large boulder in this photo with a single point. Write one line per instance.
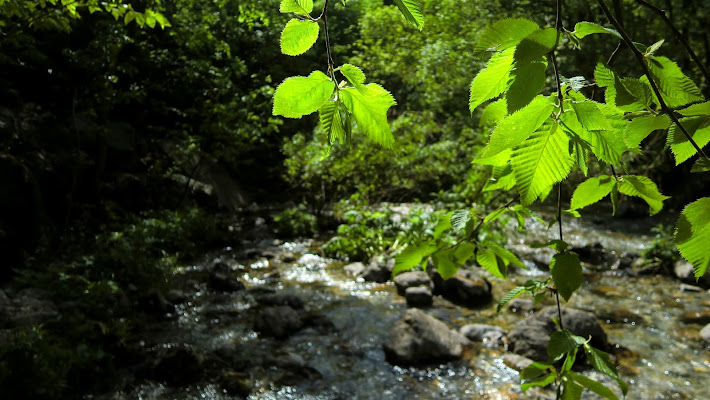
(354, 269)
(465, 288)
(280, 321)
(410, 279)
(418, 338)
(419, 296)
(379, 270)
(529, 337)
(482, 332)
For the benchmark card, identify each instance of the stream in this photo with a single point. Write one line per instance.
(660, 354)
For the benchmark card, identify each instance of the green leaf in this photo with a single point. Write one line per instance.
(592, 385)
(528, 80)
(539, 162)
(301, 7)
(607, 146)
(518, 126)
(616, 93)
(572, 390)
(352, 74)
(459, 220)
(639, 90)
(639, 128)
(580, 153)
(556, 245)
(641, 186)
(535, 370)
(570, 359)
(331, 121)
(299, 96)
(562, 342)
(692, 235)
(582, 29)
(652, 48)
(566, 272)
(449, 261)
(298, 36)
(699, 130)
(535, 45)
(696, 110)
(505, 255)
(412, 12)
(494, 112)
(591, 191)
(676, 88)
(442, 226)
(412, 256)
(589, 116)
(504, 34)
(370, 111)
(510, 296)
(491, 81)
(702, 165)
(575, 82)
(542, 381)
(487, 259)
(504, 180)
(463, 251)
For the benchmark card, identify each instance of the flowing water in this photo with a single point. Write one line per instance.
(659, 356)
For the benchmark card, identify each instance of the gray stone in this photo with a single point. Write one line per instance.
(684, 271)
(281, 299)
(222, 282)
(354, 269)
(418, 338)
(529, 337)
(411, 279)
(280, 321)
(465, 288)
(378, 271)
(419, 296)
(522, 306)
(705, 333)
(178, 365)
(477, 332)
(516, 362)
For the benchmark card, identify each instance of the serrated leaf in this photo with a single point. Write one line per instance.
(640, 90)
(557, 245)
(331, 122)
(676, 88)
(517, 127)
(494, 215)
(575, 82)
(300, 95)
(603, 75)
(370, 111)
(562, 342)
(527, 81)
(542, 381)
(298, 36)
(641, 186)
(616, 93)
(487, 259)
(590, 116)
(463, 251)
(352, 74)
(582, 29)
(652, 48)
(607, 146)
(491, 81)
(593, 385)
(459, 220)
(699, 130)
(591, 191)
(504, 34)
(702, 165)
(505, 255)
(535, 370)
(493, 113)
(692, 235)
(498, 160)
(302, 7)
(696, 109)
(566, 272)
(569, 361)
(580, 153)
(503, 180)
(412, 256)
(639, 128)
(601, 361)
(445, 263)
(510, 296)
(412, 12)
(442, 226)
(539, 162)
(572, 391)
(535, 45)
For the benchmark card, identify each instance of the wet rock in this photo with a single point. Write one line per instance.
(622, 316)
(319, 323)
(236, 383)
(292, 369)
(354, 269)
(683, 270)
(418, 338)
(465, 288)
(279, 322)
(378, 271)
(516, 362)
(281, 299)
(595, 254)
(522, 306)
(176, 296)
(626, 261)
(696, 317)
(419, 296)
(529, 337)
(411, 279)
(178, 365)
(479, 332)
(154, 303)
(222, 282)
(705, 333)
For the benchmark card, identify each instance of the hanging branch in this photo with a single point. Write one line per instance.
(324, 17)
(639, 57)
(679, 36)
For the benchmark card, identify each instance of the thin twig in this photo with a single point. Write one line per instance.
(679, 36)
(639, 57)
(331, 64)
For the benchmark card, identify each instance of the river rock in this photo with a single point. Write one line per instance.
(595, 254)
(696, 317)
(178, 365)
(522, 306)
(516, 362)
(279, 321)
(529, 337)
(354, 269)
(479, 332)
(705, 333)
(378, 270)
(236, 383)
(281, 299)
(683, 270)
(222, 282)
(411, 279)
(419, 296)
(292, 369)
(418, 338)
(465, 288)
